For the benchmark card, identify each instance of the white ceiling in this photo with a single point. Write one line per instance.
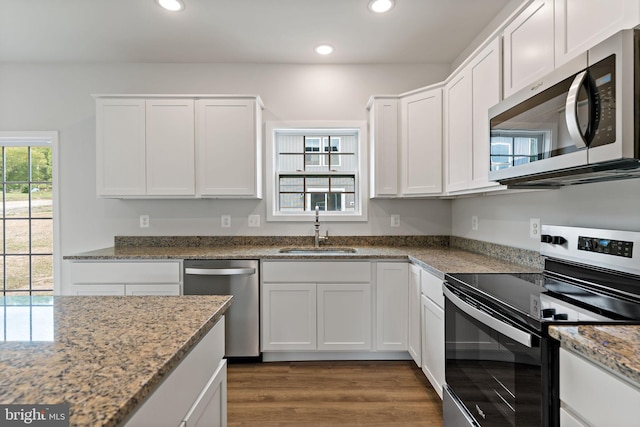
(250, 31)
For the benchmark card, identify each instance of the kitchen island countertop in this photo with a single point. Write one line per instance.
(101, 355)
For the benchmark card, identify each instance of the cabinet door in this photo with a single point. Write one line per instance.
(421, 132)
(486, 88)
(415, 310)
(120, 147)
(153, 289)
(384, 147)
(392, 302)
(288, 316)
(529, 46)
(344, 316)
(228, 148)
(170, 147)
(582, 24)
(433, 360)
(458, 131)
(594, 394)
(210, 408)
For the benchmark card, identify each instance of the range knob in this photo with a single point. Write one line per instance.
(561, 316)
(546, 238)
(558, 240)
(548, 312)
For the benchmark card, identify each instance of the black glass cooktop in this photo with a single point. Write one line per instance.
(519, 295)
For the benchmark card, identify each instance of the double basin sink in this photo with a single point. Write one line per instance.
(319, 250)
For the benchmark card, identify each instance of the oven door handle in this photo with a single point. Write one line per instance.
(515, 334)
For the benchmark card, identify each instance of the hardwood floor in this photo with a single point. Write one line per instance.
(380, 394)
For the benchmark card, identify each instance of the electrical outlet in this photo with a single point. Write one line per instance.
(144, 221)
(474, 223)
(254, 221)
(395, 220)
(225, 221)
(534, 228)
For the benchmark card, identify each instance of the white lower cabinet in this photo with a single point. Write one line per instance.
(344, 316)
(194, 393)
(591, 396)
(288, 316)
(392, 306)
(432, 303)
(124, 278)
(322, 305)
(415, 310)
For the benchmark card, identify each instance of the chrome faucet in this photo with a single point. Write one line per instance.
(318, 239)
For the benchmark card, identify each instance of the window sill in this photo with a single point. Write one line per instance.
(310, 217)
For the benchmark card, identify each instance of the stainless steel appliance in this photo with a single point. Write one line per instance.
(501, 366)
(239, 278)
(579, 124)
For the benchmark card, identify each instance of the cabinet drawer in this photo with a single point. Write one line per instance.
(125, 272)
(595, 395)
(318, 271)
(432, 288)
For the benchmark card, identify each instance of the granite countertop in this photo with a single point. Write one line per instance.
(613, 346)
(72, 349)
(438, 260)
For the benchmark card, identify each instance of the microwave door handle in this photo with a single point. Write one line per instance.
(571, 110)
(515, 334)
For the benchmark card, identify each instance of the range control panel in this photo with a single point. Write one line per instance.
(606, 246)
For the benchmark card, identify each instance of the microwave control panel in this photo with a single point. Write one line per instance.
(603, 80)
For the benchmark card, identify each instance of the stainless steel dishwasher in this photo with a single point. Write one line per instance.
(239, 278)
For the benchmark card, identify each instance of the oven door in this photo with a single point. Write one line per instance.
(493, 368)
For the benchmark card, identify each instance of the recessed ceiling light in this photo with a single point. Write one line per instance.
(324, 49)
(172, 5)
(381, 6)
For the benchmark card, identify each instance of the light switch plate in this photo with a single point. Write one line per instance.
(225, 221)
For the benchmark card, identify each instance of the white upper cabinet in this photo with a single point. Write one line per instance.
(147, 146)
(468, 96)
(384, 146)
(120, 147)
(421, 143)
(458, 131)
(229, 147)
(170, 148)
(529, 46)
(486, 91)
(581, 24)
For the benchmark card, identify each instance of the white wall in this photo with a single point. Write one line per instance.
(57, 97)
(504, 219)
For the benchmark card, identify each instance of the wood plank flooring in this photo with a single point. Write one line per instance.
(301, 394)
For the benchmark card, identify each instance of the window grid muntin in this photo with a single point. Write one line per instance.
(334, 146)
(4, 291)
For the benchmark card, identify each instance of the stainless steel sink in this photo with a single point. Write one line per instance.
(320, 250)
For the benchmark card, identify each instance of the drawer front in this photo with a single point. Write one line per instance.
(319, 271)
(125, 272)
(432, 288)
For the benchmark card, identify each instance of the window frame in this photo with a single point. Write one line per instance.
(272, 174)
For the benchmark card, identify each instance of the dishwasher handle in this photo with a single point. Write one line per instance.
(238, 271)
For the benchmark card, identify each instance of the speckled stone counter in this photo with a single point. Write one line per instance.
(79, 352)
(432, 252)
(612, 346)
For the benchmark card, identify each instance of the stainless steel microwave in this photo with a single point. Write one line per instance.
(579, 124)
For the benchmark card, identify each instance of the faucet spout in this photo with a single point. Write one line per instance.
(316, 241)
